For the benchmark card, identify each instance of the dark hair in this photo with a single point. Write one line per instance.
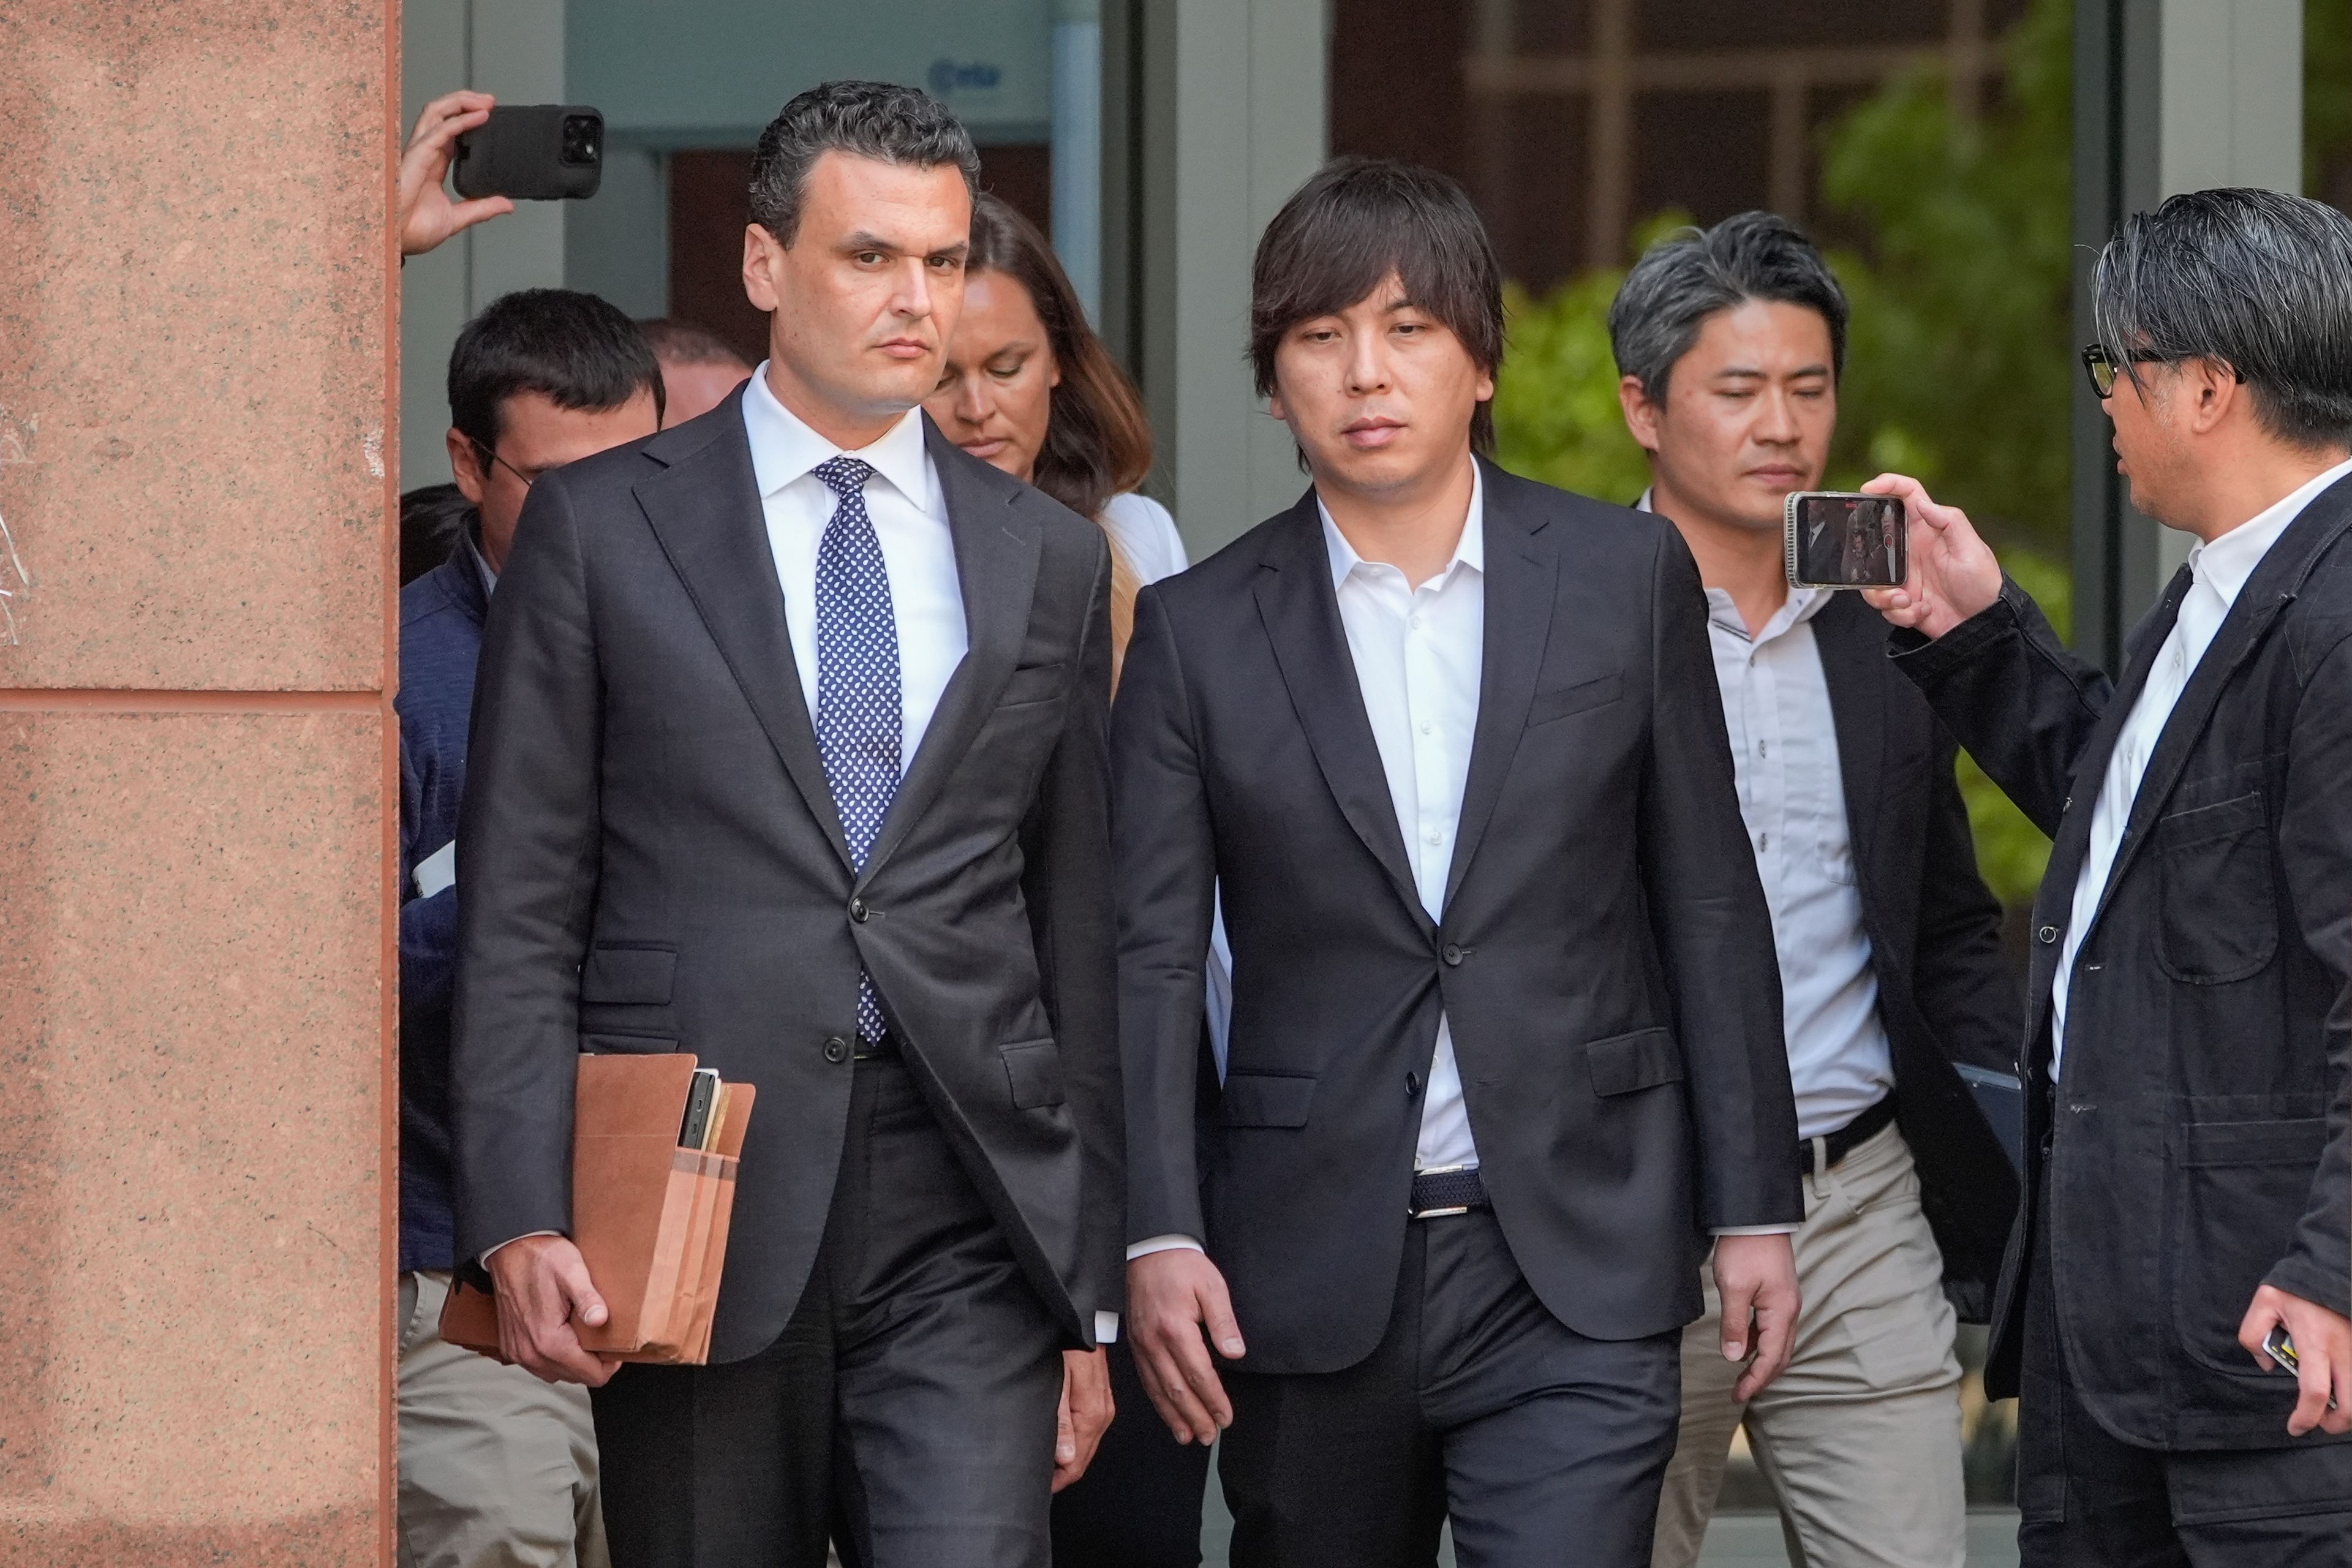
(574, 349)
(683, 343)
(1692, 273)
(2254, 279)
(868, 118)
(1098, 440)
(431, 518)
(1354, 222)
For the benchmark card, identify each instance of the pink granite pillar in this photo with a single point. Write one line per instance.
(197, 786)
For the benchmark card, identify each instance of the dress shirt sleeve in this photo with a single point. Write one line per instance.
(1162, 1243)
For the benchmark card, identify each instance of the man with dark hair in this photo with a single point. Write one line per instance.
(790, 752)
(1729, 339)
(699, 369)
(496, 1468)
(2189, 1056)
(1505, 1032)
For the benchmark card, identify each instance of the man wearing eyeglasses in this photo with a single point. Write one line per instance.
(2188, 1169)
(496, 1466)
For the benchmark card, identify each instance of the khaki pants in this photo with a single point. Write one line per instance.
(496, 1468)
(1860, 1438)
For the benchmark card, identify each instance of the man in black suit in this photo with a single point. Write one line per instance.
(790, 752)
(1729, 342)
(1505, 1032)
(2189, 1050)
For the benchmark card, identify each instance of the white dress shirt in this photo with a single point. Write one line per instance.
(910, 519)
(2221, 569)
(1784, 749)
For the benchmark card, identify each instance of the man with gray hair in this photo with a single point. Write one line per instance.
(2190, 1045)
(1729, 342)
(790, 752)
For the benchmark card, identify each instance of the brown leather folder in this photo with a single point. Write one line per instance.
(650, 1218)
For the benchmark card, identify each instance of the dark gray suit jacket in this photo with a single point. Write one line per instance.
(1946, 993)
(1605, 956)
(2200, 1144)
(652, 861)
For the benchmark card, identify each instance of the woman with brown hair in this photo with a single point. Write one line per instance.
(1029, 388)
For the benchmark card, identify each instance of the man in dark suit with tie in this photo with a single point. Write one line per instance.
(790, 752)
(2189, 1041)
(1505, 1032)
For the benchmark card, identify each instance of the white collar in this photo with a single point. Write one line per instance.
(1801, 605)
(783, 447)
(2226, 563)
(1469, 550)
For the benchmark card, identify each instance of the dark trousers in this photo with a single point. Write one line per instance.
(1541, 1445)
(1139, 1504)
(907, 1411)
(2087, 1499)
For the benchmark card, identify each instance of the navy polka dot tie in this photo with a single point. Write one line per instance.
(859, 718)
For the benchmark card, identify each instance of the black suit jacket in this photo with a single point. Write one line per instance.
(652, 861)
(1605, 956)
(2200, 1146)
(1946, 990)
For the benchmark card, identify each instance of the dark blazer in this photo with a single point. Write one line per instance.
(652, 861)
(2198, 1147)
(1605, 955)
(1946, 990)
(440, 638)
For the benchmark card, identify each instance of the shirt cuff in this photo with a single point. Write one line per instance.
(1755, 1230)
(487, 1253)
(1106, 1327)
(1171, 1243)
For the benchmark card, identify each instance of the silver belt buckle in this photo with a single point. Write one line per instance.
(1411, 1213)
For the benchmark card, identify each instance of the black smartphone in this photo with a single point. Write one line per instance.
(1838, 539)
(533, 152)
(2279, 1345)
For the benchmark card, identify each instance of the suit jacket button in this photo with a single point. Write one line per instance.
(837, 1049)
(1453, 954)
(2048, 933)
(858, 910)
(1411, 1085)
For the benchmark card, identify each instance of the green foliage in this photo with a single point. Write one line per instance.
(1959, 360)
(2326, 89)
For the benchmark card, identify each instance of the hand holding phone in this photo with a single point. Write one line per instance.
(427, 215)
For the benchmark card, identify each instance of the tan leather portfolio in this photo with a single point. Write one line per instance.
(650, 1216)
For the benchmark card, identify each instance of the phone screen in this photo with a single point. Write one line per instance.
(1838, 541)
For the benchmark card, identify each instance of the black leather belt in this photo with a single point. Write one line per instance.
(1848, 1138)
(1447, 1190)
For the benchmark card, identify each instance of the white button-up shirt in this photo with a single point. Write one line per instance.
(1784, 753)
(2221, 569)
(1418, 654)
(1784, 749)
(910, 519)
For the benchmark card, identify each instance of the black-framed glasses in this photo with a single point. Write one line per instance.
(489, 456)
(2100, 363)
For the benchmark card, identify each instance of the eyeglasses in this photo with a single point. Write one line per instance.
(489, 457)
(2100, 363)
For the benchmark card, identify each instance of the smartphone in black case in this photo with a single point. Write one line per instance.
(533, 152)
(1839, 539)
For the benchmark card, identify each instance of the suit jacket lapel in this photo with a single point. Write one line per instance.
(1522, 587)
(996, 552)
(1301, 615)
(1851, 641)
(705, 511)
(2265, 594)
